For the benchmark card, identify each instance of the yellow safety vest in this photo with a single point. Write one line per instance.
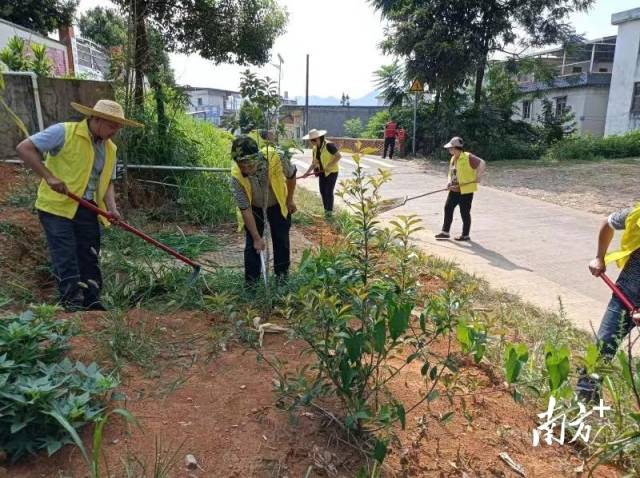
(276, 180)
(325, 158)
(73, 165)
(465, 173)
(630, 239)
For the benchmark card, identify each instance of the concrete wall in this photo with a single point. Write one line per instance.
(588, 104)
(626, 71)
(56, 94)
(56, 51)
(330, 118)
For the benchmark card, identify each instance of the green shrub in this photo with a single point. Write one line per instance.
(589, 147)
(354, 308)
(37, 382)
(375, 126)
(353, 128)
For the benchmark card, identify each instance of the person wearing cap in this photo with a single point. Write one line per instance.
(79, 157)
(465, 172)
(325, 165)
(263, 183)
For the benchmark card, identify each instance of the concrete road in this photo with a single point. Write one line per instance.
(532, 248)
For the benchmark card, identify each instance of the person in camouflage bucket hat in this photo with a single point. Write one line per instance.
(263, 182)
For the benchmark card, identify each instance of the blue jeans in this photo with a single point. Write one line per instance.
(74, 248)
(617, 322)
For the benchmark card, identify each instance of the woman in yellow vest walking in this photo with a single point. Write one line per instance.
(465, 172)
(80, 158)
(325, 165)
(262, 180)
(617, 322)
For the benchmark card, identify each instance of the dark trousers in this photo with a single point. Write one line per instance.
(389, 144)
(74, 248)
(327, 186)
(464, 201)
(617, 322)
(279, 238)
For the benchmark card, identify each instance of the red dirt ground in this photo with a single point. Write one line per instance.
(221, 408)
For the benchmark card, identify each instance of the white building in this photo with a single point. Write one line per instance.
(212, 104)
(623, 111)
(598, 81)
(581, 81)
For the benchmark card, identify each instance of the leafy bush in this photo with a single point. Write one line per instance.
(354, 308)
(375, 126)
(16, 58)
(36, 383)
(353, 128)
(588, 147)
(203, 198)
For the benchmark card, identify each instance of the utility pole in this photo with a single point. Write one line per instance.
(279, 67)
(306, 101)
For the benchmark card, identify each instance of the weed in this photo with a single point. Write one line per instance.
(126, 340)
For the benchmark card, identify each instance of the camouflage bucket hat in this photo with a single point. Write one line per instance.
(244, 148)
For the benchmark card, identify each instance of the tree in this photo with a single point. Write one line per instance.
(43, 16)
(235, 31)
(107, 27)
(392, 82)
(353, 128)
(345, 100)
(104, 26)
(444, 42)
(556, 122)
(261, 101)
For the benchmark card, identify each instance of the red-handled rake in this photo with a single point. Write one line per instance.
(389, 204)
(622, 296)
(123, 225)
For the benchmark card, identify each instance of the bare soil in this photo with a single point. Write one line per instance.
(217, 403)
(600, 187)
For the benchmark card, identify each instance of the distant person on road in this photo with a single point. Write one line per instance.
(465, 173)
(79, 157)
(616, 322)
(390, 134)
(324, 165)
(402, 141)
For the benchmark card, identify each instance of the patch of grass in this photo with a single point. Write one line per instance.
(128, 341)
(23, 196)
(128, 245)
(309, 207)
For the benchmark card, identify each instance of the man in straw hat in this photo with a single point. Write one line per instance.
(325, 165)
(79, 158)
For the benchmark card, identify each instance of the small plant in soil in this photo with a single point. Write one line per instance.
(356, 309)
(39, 386)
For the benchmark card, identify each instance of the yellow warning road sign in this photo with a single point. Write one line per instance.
(416, 87)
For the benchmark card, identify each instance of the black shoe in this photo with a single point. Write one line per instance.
(462, 238)
(589, 388)
(94, 304)
(442, 236)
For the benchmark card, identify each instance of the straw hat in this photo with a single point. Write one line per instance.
(315, 133)
(106, 109)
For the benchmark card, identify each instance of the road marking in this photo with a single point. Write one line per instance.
(380, 162)
(351, 162)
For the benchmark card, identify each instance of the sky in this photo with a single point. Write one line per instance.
(341, 37)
